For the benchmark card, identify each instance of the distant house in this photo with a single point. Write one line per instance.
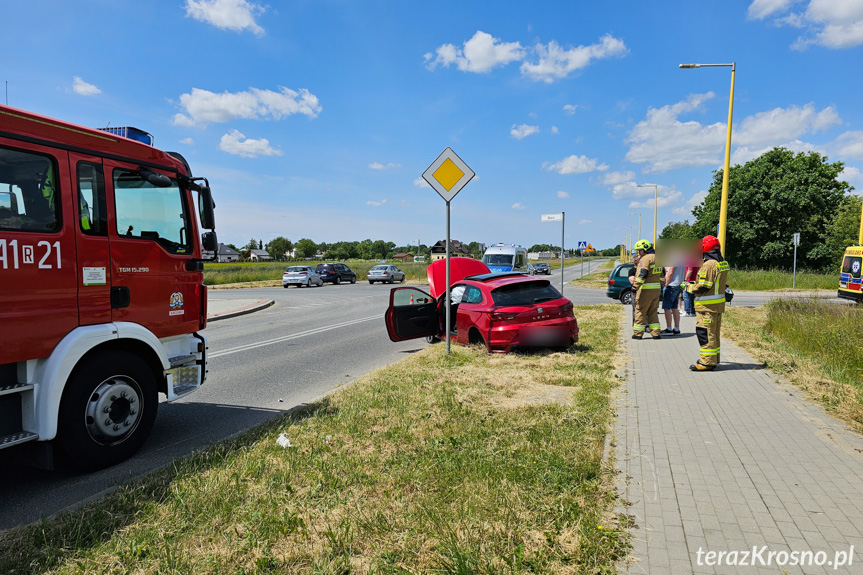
(456, 250)
(227, 254)
(406, 258)
(259, 256)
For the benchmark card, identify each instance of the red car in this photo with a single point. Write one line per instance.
(498, 310)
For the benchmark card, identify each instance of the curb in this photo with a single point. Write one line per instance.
(257, 306)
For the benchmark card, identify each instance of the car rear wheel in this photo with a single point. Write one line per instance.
(390, 280)
(308, 283)
(285, 286)
(626, 297)
(371, 283)
(338, 280)
(353, 279)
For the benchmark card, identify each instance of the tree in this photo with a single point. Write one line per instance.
(844, 230)
(251, 245)
(677, 230)
(278, 247)
(769, 199)
(306, 248)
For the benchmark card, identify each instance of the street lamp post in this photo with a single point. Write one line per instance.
(723, 206)
(655, 200)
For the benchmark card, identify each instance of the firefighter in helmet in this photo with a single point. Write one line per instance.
(648, 288)
(709, 292)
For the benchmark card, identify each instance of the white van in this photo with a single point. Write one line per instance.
(506, 258)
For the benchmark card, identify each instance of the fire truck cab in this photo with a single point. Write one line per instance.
(102, 301)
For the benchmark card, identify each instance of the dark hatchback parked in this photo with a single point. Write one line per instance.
(618, 284)
(336, 273)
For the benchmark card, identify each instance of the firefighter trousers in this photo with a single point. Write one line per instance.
(646, 314)
(707, 326)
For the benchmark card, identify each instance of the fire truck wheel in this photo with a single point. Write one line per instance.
(108, 409)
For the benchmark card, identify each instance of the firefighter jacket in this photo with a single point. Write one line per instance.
(648, 275)
(709, 291)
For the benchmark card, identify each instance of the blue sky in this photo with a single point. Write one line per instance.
(317, 119)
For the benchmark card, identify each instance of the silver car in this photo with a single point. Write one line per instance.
(301, 276)
(386, 273)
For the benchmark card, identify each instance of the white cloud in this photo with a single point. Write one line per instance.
(576, 165)
(686, 209)
(615, 178)
(760, 9)
(205, 107)
(585, 222)
(236, 15)
(237, 144)
(743, 154)
(421, 183)
(554, 62)
(481, 54)
(518, 206)
(852, 175)
(780, 124)
(379, 166)
(562, 195)
(554, 130)
(375, 204)
(523, 131)
(665, 143)
(82, 88)
(834, 24)
(672, 197)
(187, 141)
(569, 109)
(848, 145)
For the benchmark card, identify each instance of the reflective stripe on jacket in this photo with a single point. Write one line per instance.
(648, 274)
(710, 290)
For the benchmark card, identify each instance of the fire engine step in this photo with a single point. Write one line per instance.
(182, 360)
(15, 388)
(16, 438)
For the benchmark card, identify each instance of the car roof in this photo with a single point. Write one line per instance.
(494, 281)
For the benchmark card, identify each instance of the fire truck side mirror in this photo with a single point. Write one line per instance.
(205, 207)
(209, 243)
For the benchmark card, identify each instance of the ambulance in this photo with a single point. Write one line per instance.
(850, 276)
(102, 249)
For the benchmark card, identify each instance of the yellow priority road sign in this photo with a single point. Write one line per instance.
(448, 174)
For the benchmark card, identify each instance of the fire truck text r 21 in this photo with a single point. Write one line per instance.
(15, 256)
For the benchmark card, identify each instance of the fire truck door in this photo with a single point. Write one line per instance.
(90, 220)
(37, 251)
(152, 247)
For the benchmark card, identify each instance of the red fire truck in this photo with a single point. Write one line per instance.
(102, 301)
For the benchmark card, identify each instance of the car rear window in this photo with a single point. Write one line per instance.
(323, 267)
(379, 268)
(296, 269)
(525, 293)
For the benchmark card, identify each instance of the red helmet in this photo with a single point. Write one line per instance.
(709, 243)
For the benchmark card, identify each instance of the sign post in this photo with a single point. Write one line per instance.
(561, 217)
(582, 247)
(448, 174)
(794, 277)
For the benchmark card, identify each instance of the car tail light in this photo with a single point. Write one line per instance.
(304, 273)
(566, 308)
(610, 282)
(502, 316)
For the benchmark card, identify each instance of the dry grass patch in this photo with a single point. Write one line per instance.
(469, 463)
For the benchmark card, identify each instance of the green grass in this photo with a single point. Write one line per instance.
(469, 463)
(826, 332)
(763, 280)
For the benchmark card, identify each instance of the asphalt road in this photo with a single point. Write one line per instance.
(311, 342)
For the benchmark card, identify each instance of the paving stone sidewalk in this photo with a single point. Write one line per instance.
(728, 460)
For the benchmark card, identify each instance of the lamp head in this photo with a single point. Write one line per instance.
(690, 66)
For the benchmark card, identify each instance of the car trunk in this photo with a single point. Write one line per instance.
(460, 268)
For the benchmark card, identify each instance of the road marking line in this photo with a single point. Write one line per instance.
(314, 331)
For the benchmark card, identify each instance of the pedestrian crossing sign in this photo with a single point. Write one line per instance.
(582, 246)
